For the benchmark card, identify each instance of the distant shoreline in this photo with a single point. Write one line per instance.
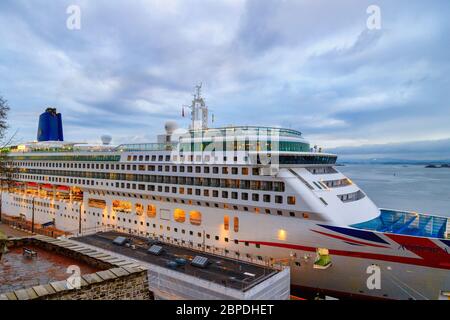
(429, 164)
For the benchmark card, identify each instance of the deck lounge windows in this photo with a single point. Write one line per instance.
(97, 203)
(236, 224)
(350, 197)
(291, 200)
(179, 215)
(122, 206)
(139, 209)
(151, 211)
(226, 223)
(195, 218)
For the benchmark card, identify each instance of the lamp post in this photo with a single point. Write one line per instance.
(1, 200)
(79, 218)
(32, 216)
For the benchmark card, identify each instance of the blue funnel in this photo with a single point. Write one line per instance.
(50, 126)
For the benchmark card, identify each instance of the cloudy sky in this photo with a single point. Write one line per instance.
(307, 65)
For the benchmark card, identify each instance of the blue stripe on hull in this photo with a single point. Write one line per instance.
(361, 234)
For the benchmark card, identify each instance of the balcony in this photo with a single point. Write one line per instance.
(408, 223)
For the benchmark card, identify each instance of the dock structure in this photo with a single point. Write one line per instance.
(173, 275)
(61, 269)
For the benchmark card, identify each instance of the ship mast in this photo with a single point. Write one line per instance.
(199, 110)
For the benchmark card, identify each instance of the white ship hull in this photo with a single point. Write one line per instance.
(404, 274)
(261, 194)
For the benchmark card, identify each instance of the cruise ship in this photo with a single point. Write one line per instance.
(260, 194)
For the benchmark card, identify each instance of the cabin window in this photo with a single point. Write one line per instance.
(97, 203)
(226, 223)
(179, 215)
(291, 200)
(122, 206)
(139, 209)
(236, 224)
(151, 211)
(195, 218)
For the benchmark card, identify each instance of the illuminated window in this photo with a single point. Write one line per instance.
(97, 203)
(236, 224)
(281, 234)
(122, 206)
(291, 200)
(195, 218)
(226, 222)
(179, 215)
(151, 211)
(139, 209)
(278, 199)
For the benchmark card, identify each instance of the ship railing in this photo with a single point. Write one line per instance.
(147, 147)
(447, 230)
(398, 221)
(222, 131)
(301, 179)
(222, 252)
(89, 231)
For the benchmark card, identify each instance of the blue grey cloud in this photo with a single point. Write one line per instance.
(413, 150)
(307, 65)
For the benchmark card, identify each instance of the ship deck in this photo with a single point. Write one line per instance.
(231, 273)
(407, 223)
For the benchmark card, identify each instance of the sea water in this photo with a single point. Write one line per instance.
(404, 187)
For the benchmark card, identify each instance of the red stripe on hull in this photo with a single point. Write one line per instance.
(348, 239)
(424, 248)
(440, 262)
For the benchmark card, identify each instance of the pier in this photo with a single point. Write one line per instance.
(221, 278)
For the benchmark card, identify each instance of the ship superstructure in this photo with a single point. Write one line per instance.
(260, 194)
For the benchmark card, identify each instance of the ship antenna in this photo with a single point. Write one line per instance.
(199, 110)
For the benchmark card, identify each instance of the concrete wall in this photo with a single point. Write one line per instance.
(133, 286)
(119, 280)
(169, 284)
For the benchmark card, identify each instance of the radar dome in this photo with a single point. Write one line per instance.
(106, 139)
(170, 127)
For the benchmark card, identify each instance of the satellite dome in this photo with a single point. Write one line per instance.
(170, 127)
(106, 139)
